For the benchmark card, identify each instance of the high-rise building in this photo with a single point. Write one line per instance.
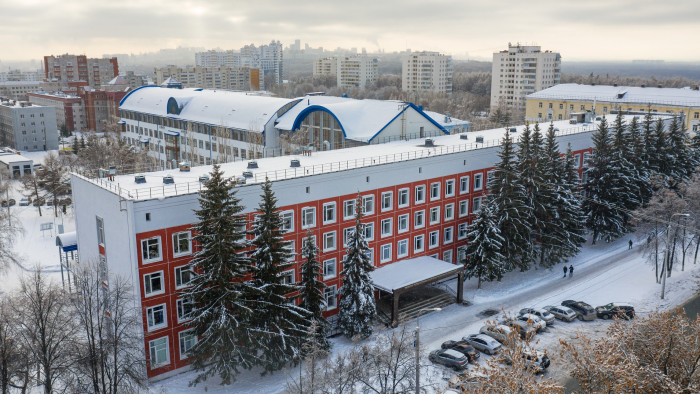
(267, 58)
(325, 66)
(227, 78)
(356, 71)
(69, 68)
(28, 127)
(519, 71)
(69, 109)
(426, 71)
(17, 90)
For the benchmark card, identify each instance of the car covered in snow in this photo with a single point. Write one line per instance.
(483, 342)
(536, 360)
(619, 310)
(533, 320)
(563, 313)
(462, 347)
(499, 332)
(583, 311)
(449, 358)
(541, 313)
(522, 328)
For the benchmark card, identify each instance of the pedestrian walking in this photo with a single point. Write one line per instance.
(630, 244)
(565, 271)
(571, 271)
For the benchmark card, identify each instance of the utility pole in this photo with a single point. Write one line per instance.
(418, 344)
(667, 255)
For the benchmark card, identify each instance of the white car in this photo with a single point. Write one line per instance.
(24, 202)
(498, 332)
(541, 313)
(562, 312)
(533, 320)
(483, 343)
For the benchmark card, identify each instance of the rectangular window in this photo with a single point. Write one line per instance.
(385, 253)
(158, 349)
(329, 269)
(418, 243)
(433, 239)
(292, 251)
(347, 234)
(577, 161)
(449, 211)
(449, 188)
(331, 298)
(329, 213)
(187, 341)
(402, 223)
(100, 230)
(386, 201)
(287, 221)
(447, 236)
(478, 185)
(464, 185)
(181, 244)
(349, 209)
(308, 217)
(571, 107)
(462, 231)
(419, 219)
(329, 241)
(434, 191)
(153, 283)
(185, 306)
(583, 107)
(367, 205)
(420, 194)
(586, 158)
(434, 215)
(490, 177)
(386, 227)
(150, 249)
(403, 198)
(287, 277)
(476, 204)
(561, 106)
(183, 276)
(402, 248)
(155, 317)
(447, 256)
(369, 231)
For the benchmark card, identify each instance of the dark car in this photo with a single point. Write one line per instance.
(462, 347)
(449, 358)
(615, 309)
(11, 202)
(583, 310)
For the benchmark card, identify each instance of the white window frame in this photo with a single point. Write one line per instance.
(464, 185)
(150, 317)
(369, 231)
(433, 239)
(478, 182)
(434, 191)
(329, 208)
(331, 293)
(419, 223)
(387, 201)
(434, 215)
(178, 276)
(183, 353)
(100, 223)
(476, 204)
(288, 273)
(292, 251)
(147, 282)
(406, 221)
(449, 188)
(151, 345)
(179, 307)
(402, 245)
(176, 244)
(383, 227)
(463, 208)
(404, 194)
(462, 231)
(327, 274)
(368, 200)
(349, 204)
(419, 189)
(347, 234)
(385, 253)
(489, 177)
(418, 243)
(287, 218)
(449, 211)
(447, 256)
(332, 236)
(144, 248)
(577, 160)
(448, 235)
(461, 253)
(304, 217)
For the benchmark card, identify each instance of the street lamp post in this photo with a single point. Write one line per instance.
(418, 344)
(667, 255)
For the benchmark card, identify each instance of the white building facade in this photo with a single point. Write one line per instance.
(28, 127)
(426, 72)
(356, 71)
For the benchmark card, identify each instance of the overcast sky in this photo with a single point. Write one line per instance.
(580, 30)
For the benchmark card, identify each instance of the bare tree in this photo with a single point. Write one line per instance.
(53, 179)
(32, 190)
(46, 329)
(14, 365)
(10, 228)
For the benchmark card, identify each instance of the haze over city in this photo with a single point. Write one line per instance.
(592, 30)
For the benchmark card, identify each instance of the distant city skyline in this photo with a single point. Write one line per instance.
(597, 30)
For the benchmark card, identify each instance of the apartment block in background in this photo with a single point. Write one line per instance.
(68, 68)
(27, 127)
(426, 72)
(356, 71)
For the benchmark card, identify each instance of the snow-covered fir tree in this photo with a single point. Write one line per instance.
(484, 260)
(663, 157)
(357, 305)
(623, 171)
(543, 185)
(650, 158)
(280, 325)
(312, 288)
(683, 160)
(603, 216)
(509, 200)
(222, 313)
(527, 162)
(637, 156)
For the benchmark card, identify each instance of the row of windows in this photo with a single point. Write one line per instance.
(151, 250)
(159, 350)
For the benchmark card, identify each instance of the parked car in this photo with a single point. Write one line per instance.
(38, 202)
(561, 312)
(522, 328)
(583, 310)
(542, 313)
(483, 342)
(462, 347)
(499, 332)
(449, 358)
(11, 202)
(615, 309)
(25, 202)
(535, 359)
(533, 321)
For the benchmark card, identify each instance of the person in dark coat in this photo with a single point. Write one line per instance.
(571, 271)
(565, 271)
(630, 244)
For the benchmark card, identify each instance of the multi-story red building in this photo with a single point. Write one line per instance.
(417, 199)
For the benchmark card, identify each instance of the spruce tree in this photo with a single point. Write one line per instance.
(543, 197)
(222, 313)
(650, 158)
(311, 292)
(683, 161)
(280, 324)
(637, 155)
(357, 304)
(509, 202)
(663, 157)
(570, 210)
(603, 217)
(484, 259)
(76, 145)
(623, 172)
(526, 165)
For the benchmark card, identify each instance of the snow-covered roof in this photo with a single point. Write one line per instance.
(361, 120)
(67, 241)
(118, 80)
(405, 273)
(238, 110)
(10, 158)
(620, 94)
(445, 120)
